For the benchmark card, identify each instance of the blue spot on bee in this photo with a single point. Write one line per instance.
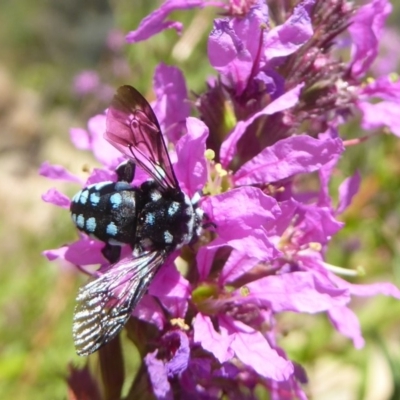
(91, 224)
(94, 198)
(111, 229)
(73, 216)
(173, 208)
(116, 200)
(80, 221)
(84, 196)
(150, 218)
(168, 237)
(155, 195)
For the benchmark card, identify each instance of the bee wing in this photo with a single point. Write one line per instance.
(105, 304)
(133, 128)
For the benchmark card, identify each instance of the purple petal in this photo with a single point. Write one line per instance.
(205, 258)
(233, 46)
(347, 190)
(228, 371)
(387, 60)
(149, 310)
(373, 289)
(299, 292)
(287, 38)
(253, 349)
(176, 307)
(257, 243)
(346, 322)
(94, 140)
(367, 290)
(325, 173)
(101, 175)
(180, 360)
(384, 87)
(227, 211)
(85, 252)
(287, 100)
(53, 254)
(102, 149)
(158, 376)
(200, 370)
(288, 157)
(237, 264)
(156, 21)
(53, 196)
(228, 55)
(191, 168)
(169, 282)
(172, 106)
(82, 252)
(248, 27)
(57, 172)
(384, 113)
(80, 138)
(212, 341)
(317, 224)
(86, 82)
(365, 30)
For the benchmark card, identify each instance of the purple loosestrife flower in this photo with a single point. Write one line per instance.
(208, 327)
(86, 82)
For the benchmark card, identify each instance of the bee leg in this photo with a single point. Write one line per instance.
(126, 171)
(111, 253)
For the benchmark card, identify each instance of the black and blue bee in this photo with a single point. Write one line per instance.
(155, 219)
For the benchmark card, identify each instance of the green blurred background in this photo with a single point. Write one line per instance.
(44, 45)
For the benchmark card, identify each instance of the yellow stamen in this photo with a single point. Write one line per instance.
(180, 323)
(220, 171)
(315, 246)
(209, 154)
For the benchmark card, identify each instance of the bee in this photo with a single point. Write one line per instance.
(154, 219)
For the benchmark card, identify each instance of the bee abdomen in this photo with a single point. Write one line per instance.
(107, 211)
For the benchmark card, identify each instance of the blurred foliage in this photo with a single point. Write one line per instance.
(44, 45)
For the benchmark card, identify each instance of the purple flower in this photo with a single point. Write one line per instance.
(239, 58)
(208, 326)
(86, 82)
(92, 140)
(387, 60)
(168, 361)
(115, 40)
(365, 30)
(384, 112)
(288, 157)
(228, 148)
(156, 22)
(172, 106)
